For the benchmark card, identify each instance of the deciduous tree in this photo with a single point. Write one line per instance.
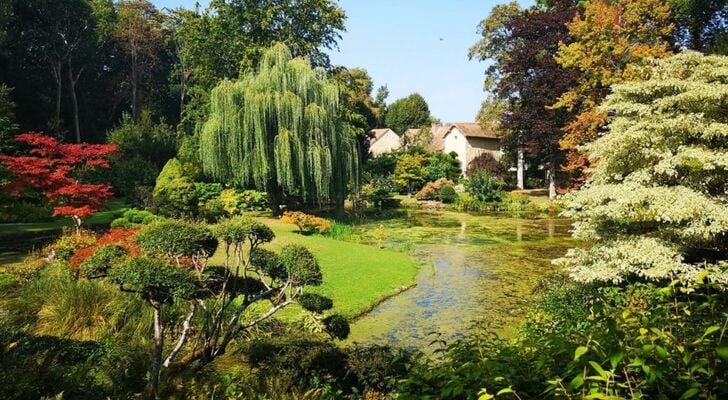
(610, 42)
(57, 170)
(409, 112)
(655, 207)
(280, 129)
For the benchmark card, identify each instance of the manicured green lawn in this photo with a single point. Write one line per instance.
(115, 208)
(356, 276)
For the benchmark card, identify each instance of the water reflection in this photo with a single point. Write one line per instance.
(477, 267)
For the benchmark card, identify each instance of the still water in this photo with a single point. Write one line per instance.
(475, 268)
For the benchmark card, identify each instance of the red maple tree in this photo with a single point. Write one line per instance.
(56, 170)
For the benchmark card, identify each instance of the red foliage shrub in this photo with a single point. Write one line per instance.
(123, 237)
(56, 169)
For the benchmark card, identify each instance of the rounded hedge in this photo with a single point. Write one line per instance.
(302, 267)
(155, 279)
(315, 302)
(269, 263)
(240, 229)
(337, 326)
(99, 263)
(173, 238)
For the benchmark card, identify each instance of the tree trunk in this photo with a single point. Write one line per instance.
(551, 177)
(59, 86)
(74, 101)
(275, 195)
(158, 345)
(520, 170)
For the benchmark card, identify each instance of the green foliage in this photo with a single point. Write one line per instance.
(174, 193)
(102, 260)
(337, 326)
(155, 280)
(133, 218)
(236, 202)
(655, 205)
(432, 190)
(280, 129)
(173, 239)
(241, 229)
(270, 264)
(448, 195)
(381, 166)
(484, 187)
(18, 210)
(409, 112)
(302, 267)
(443, 166)
(410, 171)
(638, 341)
(8, 125)
(315, 302)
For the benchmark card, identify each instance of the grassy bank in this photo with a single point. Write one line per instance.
(115, 208)
(356, 276)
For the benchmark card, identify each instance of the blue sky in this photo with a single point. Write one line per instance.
(413, 46)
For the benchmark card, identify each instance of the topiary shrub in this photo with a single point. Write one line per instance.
(306, 223)
(270, 264)
(302, 267)
(315, 302)
(337, 326)
(99, 263)
(431, 190)
(174, 193)
(176, 239)
(133, 218)
(447, 194)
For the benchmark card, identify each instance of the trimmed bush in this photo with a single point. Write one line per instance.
(337, 326)
(134, 218)
(302, 267)
(174, 239)
(448, 194)
(315, 302)
(174, 193)
(102, 260)
(431, 191)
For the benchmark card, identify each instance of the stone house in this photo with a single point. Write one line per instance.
(383, 141)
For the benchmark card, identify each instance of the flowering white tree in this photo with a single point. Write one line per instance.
(655, 206)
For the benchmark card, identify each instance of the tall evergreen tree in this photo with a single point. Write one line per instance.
(280, 129)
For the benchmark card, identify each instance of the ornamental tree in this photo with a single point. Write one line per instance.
(223, 301)
(281, 130)
(655, 206)
(609, 43)
(57, 170)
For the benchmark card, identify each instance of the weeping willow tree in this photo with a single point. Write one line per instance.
(280, 129)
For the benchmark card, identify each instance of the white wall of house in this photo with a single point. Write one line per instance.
(467, 148)
(456, 142)
(388, 143)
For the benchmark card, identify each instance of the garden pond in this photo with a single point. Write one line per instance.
(475, 269)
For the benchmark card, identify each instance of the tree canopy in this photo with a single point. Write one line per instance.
(280, 129)
(409, 112)
(655, 204)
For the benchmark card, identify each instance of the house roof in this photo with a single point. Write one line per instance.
(438, 137)
(377, 134)
(472, 129)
